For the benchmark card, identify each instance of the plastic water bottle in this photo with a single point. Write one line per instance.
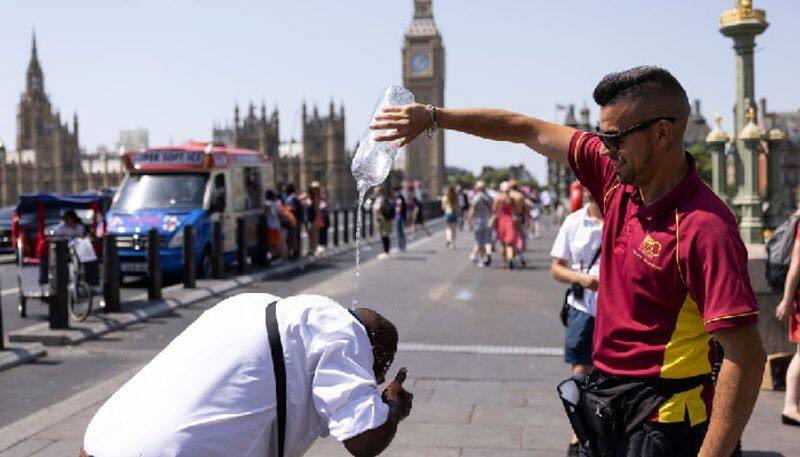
(373, 159)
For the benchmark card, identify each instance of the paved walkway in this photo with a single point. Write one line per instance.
(459, 328)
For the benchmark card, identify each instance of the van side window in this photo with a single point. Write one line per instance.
(252, 187)
(218, 193)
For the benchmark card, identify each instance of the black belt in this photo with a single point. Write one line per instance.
(280, 373)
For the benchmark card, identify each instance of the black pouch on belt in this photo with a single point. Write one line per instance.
(610, 407)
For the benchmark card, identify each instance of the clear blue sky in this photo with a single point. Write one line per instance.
(177, 66)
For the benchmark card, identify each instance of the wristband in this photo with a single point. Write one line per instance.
(434, 123)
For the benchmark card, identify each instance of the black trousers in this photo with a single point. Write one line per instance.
(653, 439)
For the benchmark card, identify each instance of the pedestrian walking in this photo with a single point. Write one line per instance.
(535, 214)
(400, 219)
(463, 203)
(788, 310)
(451, 208)
(520, 220)
(314, 220)
(546, 198)
(575, 253)
(419, 216)
(324, 209)
(674, 269)
(505, 226)
(276, 243)
(383, 210)
(218, 390)
(296, 207)
(480, 220)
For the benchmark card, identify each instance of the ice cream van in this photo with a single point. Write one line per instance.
(194, 183)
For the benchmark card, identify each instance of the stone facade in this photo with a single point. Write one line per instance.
(319, 156)
(47, 156)
(696, 128)
(423, 74)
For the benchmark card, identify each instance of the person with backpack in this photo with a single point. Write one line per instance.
(276, 242)
(384, 214)
(479, 217)
(788, 309)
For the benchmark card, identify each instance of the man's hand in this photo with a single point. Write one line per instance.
(590, 282)
(395, 393)
(407, 123)
(372, 442)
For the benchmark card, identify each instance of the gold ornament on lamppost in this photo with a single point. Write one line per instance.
(716, 141)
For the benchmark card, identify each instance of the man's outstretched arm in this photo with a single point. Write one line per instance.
(549, 139)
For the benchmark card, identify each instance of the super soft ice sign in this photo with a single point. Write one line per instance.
(167, 158)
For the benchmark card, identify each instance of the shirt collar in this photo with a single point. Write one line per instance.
(685, 188)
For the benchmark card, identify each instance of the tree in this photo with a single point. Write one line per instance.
(702, 159)
(465, 179)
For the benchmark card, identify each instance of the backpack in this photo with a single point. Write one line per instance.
(386, 209)
(779, 252)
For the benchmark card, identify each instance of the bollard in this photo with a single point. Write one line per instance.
(355, 222)
(44, 265)
(218, 252)
(346, 228)
(2, 335)
(371, 215)
(189, 265)
(111, 279)
(363, 223)
(153, 265)
(261, 240)
(58, 302)
(336, 227)
(241, 246)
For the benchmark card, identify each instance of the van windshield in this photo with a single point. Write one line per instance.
(160, 191)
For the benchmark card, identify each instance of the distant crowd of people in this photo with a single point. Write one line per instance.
(505, 214)
(291, 213)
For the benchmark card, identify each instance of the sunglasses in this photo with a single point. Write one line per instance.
(613, 140)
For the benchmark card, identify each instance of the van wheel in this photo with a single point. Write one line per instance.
(206, 264)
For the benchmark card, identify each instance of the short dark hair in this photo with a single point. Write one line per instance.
(638, 83)
(290, 188)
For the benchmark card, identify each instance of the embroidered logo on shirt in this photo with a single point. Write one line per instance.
(650, 247)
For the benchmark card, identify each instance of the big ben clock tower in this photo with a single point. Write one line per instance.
(423, 74)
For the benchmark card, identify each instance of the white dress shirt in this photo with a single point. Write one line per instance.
(211, 391)
(577, 242)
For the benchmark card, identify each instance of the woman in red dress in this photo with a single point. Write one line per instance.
(788, 309)
(506, 230)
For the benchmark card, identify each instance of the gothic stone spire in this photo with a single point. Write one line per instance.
(34, 75)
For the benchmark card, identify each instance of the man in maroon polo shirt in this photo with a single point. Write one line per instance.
(674, 269)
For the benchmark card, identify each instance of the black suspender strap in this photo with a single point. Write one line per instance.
(280, 373)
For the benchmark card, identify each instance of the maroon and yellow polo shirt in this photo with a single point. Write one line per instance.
(672, 273)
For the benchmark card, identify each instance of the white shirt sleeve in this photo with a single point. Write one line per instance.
(343, 387)
(561, 244)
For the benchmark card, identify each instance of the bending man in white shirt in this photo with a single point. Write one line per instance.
(211, 391)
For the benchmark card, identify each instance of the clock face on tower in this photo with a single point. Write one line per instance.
(420, 63)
